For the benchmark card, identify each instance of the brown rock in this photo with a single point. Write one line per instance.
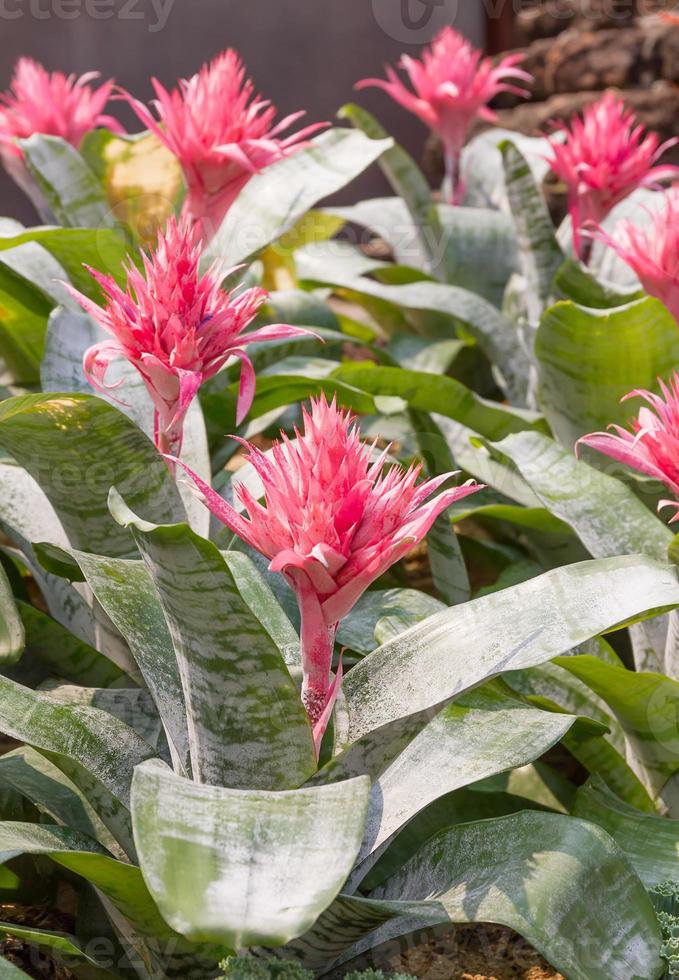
(547, 18)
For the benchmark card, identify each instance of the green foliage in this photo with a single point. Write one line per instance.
(665, 898)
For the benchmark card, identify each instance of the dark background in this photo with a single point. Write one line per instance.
(303, 54)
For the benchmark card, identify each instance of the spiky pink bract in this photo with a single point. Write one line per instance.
(221, 132)
(652, 447)
(453, 85)
(653, 252)
(50, 103)
(334, 519)
(178, 328)
(605, 156)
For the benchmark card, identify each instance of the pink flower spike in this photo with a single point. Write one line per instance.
(333, 521)
(177, 328)
(221, 132)
(652, 447)
(652, 252)
(451, 86)
(53, 104)
(605, 156)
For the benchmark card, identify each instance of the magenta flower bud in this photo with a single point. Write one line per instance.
(652, 447)
(221, 133)
(334, 519)
(605, 156)
(453, 85)
(178, 328)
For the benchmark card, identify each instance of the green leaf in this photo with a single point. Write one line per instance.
(244, 867)
(275, 200)
(53, 793)
(550, 878)
(651, 843)
(122, 883)
(589, 359)
(10, 972)
(540, 256)
(575, 282)
(248, 727)
(520, 627)
(437, 394)
(59, 944)
(381, 614)
(496, 336)
(12, 633)
(606, 515)
(24, 309)
(23, 525)
(476, 737)
(71, 190)
(96, 751)
(65, 655)
(461, 806)
(76, 447)
(410, 184)
(646, 705)
(127, 594)
(479, 242)
(104, 249)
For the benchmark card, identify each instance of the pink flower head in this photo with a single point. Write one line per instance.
(333, 521)
(653, 252)
(652, 447)
(605, 156)
(221, 132)
(177, 328)
(50, 103)
(453, 84)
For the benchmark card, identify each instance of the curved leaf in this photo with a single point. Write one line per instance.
(71, 190)
(651, 843)
(432, 393)
(495, 334)
(247, 725)
(76, 447)
(96, 751)
(12, 633)
(24, 309)
(478, 736)
(275, 200)
(226, 865)
(647, 707)
(589, 359)
(520, 627)
(551, 879)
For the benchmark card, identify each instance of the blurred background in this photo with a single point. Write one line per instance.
(307, 54)
(302, 54)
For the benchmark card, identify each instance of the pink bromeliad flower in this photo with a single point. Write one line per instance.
(605, 156)
(653, 252)
(222, 133)
(53, 104)
(177, 328)
(333, 520)
(453, 85)
(652, 447)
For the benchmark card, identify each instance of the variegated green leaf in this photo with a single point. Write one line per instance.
(244, 867)
(247, 725)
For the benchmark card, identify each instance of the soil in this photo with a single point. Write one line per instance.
(34, 963)
(477, 952)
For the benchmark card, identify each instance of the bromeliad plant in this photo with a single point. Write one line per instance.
(322, 729)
